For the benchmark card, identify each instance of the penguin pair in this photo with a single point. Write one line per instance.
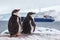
(14, 23)
(28, 24)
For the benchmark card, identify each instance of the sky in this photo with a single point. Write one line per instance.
(6, 6)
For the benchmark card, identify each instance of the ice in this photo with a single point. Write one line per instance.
(40, 33)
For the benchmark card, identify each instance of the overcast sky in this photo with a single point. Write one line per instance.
(27, 4)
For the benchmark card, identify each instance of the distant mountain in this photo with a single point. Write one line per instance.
(4, 17)
(53, 11)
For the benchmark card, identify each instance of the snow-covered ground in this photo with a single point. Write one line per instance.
(40, 33)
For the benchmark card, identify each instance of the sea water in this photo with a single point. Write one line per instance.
(55, 25)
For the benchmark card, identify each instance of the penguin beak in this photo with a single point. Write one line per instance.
(32, 13)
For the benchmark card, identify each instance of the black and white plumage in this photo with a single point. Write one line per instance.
(28, 23)
(13, 24)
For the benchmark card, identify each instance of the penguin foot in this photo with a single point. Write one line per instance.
(18, 34)
(12, 35)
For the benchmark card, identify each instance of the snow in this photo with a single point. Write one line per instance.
(40, 33)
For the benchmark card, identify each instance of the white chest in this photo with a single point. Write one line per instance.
(20, 29)
(31, 27)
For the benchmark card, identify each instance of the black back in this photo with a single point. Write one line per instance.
(27, 25)
(13, 26)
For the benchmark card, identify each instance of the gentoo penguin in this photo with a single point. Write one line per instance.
(14, 23)
(28, 23)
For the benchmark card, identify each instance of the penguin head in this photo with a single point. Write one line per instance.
(15, 11)
(30, 14)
